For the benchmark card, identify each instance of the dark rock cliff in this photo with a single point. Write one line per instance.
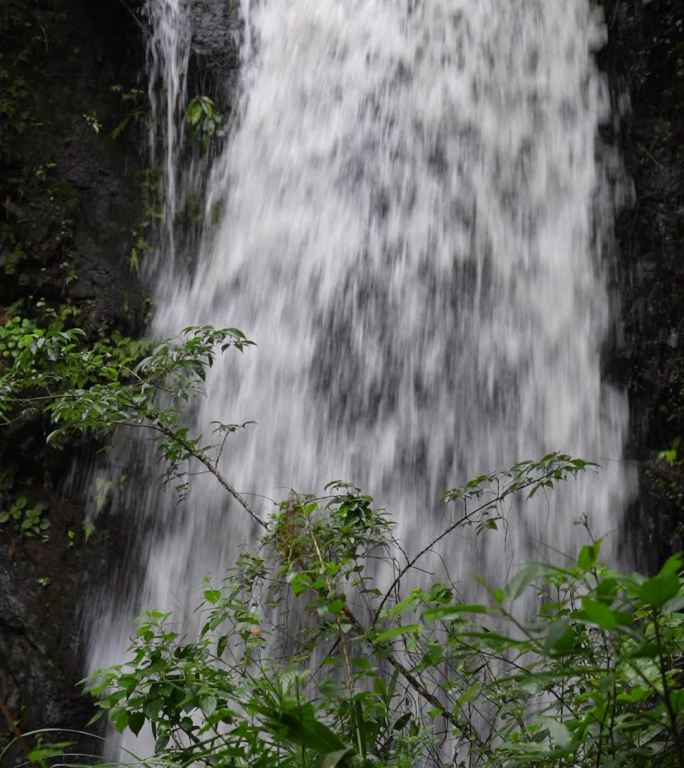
(78, 202)
(71, 192)
(645, 59)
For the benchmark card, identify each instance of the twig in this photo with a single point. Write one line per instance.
(210, 467)
(12, 725)
(513, 488)
(133, 15)
(464, 727)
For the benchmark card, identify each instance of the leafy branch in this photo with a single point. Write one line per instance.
(302, 660)
(88, 390)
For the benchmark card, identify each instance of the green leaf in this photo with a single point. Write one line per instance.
(397, 632)
(453, 612)
(335, 759)
(161, 742)
(677, 700)
(299, 582)
(152, 708)
(674, 605)
(607, 589)
(560, 638)
(558, 732)
(672, 565)
(522, 580)
(597, 613)
(299, 726)
(588, 555)
(212, 595)
(469, 694)
(658, 590)
(402, 721)
(136, 720)
(646, 650)
(336, 606)
(208, 705)
(120, 720)
(221, 645)
(49, 750)
(194, 112)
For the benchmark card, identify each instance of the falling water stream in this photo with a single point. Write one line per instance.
(414, 225)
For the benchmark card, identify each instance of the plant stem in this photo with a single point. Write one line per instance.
(12, 725)
(672, 715)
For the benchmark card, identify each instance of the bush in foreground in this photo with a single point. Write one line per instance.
(302, 660)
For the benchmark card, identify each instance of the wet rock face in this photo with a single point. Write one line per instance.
(42, 588)
(70, 200)
(74, 191)
(69, 189)
(645, 58)
(216, 30)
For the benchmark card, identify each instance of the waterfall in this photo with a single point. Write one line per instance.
(168, 55)
(415, 220)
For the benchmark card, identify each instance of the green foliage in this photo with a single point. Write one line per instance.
(32, 374)
(11, 334)
(152, 194)
(29, 519)
(561, 667)
(133, 102)
(671, 455)
(27, 350)
(13, 110)
(93, 389)
(204, 122)
(591, 677)
(15, 101)
(15, 259)
(93, 121)
(140, 247)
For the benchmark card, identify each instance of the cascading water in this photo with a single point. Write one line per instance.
(413, 216)
(168, 56)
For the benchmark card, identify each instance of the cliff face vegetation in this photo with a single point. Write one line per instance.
(71, 190)
(77, 200)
